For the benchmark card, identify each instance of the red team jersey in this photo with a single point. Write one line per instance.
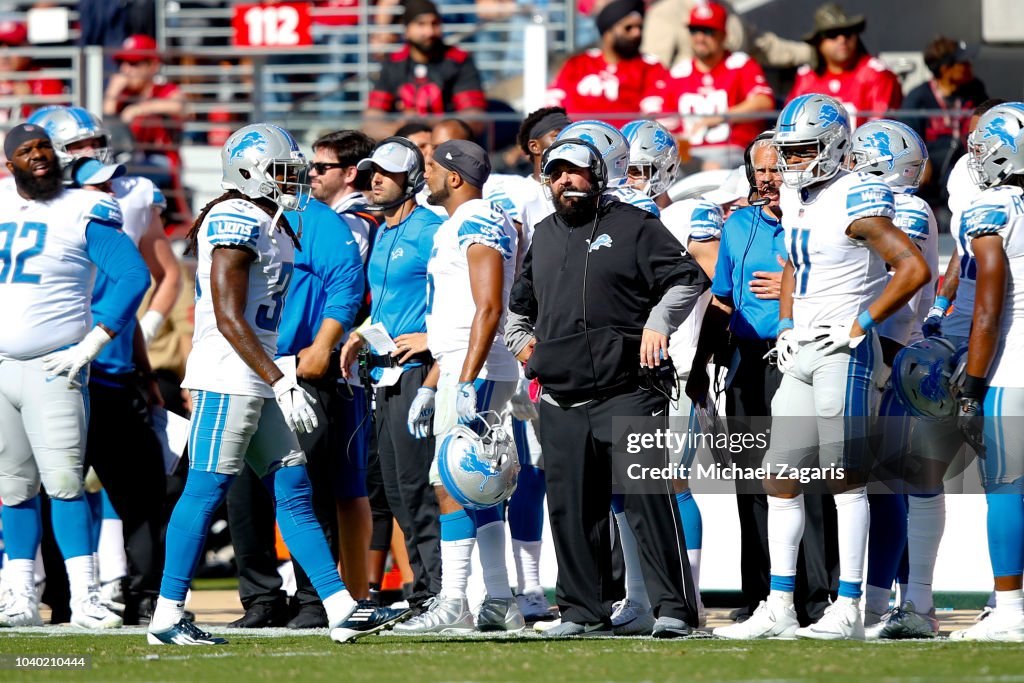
(589, 85)
(690, 91)
(869, 86)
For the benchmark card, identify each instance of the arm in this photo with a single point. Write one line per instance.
(951, 280)
(112, 95)
(163, 266)
(486, 273)
(788, 286)
(706, 254)
(116, 257)
(229, 282)
(988, 304)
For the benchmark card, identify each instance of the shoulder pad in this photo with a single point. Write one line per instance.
(105, 211)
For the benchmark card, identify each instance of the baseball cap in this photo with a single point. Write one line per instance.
(733, 188)
(577, 155)
(466, 158)
(13, 33)
(708, 15)
(95, 172)
(137, 48)
(393, 157)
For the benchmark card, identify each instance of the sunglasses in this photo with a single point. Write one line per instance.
(322, 167)
(706, 30)
(834, 33)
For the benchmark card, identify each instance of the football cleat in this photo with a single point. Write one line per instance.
(842, 621)
(499, 614)
(771, 619)
(367, 618)
(21, 610)
(630, 618)
(184, 633)
(445, 616)
(1003, 626)
(112, 595)
(533, 605)
(542, 626)
(90, 612)
(903, 622)
(670, 627)
(569, 629)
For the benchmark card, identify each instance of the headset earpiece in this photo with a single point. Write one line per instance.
(597, 166)
(748, 167)
(414, 179)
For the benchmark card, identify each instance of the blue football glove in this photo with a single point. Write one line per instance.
(421, 412)
(465, 403)
(932, 325)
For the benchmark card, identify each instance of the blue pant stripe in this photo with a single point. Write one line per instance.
(218, 427)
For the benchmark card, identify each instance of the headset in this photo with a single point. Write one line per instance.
(414, 179)
(598, 170)
(748, 167)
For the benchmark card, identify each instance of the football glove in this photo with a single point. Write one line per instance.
(73, 359)
(465, 403)
(932, 325)
(832, 338)
(522, 407)
(970, 418)
(786, 347)
(150, 323)
(296, 405)
(421, 412)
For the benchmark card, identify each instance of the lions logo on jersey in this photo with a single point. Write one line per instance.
(603, 240)
(997, 129)
(249, 141)
(880, 141)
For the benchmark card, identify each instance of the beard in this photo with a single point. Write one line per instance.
(433, 49)
(575, 211)
(626, 48)
(43, 188)
(438, 198)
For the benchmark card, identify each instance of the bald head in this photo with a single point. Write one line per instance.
(450, 129)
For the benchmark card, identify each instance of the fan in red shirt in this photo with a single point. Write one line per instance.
(845, 69)
(612, 79)
(711, 83)
(14, 34)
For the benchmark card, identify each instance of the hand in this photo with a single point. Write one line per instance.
(768, 284)
(524, 355)
(523, 408)
(421, 411)
(653, 348)
(296, 405)
(832, 338)
(409, 345)
(698, 384)
(150, 323)
(465, 403)
(130, 113)
(348, 353)
(153, 396)
(971, 423)
(314, 361)
(73, 359)
(932, 325)
(786, 348)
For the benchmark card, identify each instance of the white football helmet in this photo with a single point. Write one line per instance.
(68, 125)
(478, 471)
(264, 160)
(817, 120)
(609, 142)
(652, 149)
(921, 378)
(996, 147)
(891, 150)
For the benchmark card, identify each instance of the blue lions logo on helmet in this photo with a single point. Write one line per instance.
(251, 140)
(828, 115)
(662, 140)
(471, 464)
(997, 129)
(880, 141)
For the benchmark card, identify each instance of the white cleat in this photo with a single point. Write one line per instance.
(500, 614)
(904, 623)
(542, 626)
(533, 605)
(771, 619)
(91, 613)
(112, 595)
(630, 618)
(842, 621)
(444, 616)
(1004, 626)
(21, 610)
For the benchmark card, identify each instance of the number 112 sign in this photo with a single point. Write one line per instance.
(273, 25)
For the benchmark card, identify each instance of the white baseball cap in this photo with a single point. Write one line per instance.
(732, 189)
(393, 157)
(577, 155)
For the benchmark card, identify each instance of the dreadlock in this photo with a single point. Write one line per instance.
(192, 239)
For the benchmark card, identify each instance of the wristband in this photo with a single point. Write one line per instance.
(784, 324)
(974, 387)
(866, 322)
(941, 302)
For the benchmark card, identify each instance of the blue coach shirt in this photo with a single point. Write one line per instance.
(397, 273)
(751, 239)
(327, 281)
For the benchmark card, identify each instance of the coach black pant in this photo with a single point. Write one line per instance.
(405, 469)
(577, 445)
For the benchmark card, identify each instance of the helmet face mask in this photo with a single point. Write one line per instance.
(996, 147)
(816, 130)
(890, 150)
(69, 125)
(652, 152)
(262, 160)
(479, 471)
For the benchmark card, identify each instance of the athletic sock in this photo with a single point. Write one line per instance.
(113, 562)
(785, 529)
(81, 576)
(1010, 601)
(19, 576)
(927, 522)
(527, 558)
(166, 614)
(338, 606)
(636, 590)
(458, 536)
(852, 522)
(886, 542)
(490, 540)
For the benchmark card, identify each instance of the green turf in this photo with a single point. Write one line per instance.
(408, 660)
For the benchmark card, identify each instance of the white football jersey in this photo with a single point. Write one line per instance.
(701, 221)
(214, 365)
(837, 277)
(915, 218)
(46, 276)
(627, 195)
(1000, 211)
(138, 197)
(510, 192)
(450, 306)
(962, 193)
(536, 209)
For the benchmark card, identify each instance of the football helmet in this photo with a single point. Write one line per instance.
(921, 378)
(68, 125)
(652, 149)
(479, 471)
(996, 147)
(817, 120)
(609, 142)
(891, 150)
(264, 160)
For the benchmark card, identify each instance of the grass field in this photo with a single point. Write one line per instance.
(127, 657)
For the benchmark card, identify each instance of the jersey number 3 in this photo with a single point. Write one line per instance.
(35, 233)
(268, 316)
